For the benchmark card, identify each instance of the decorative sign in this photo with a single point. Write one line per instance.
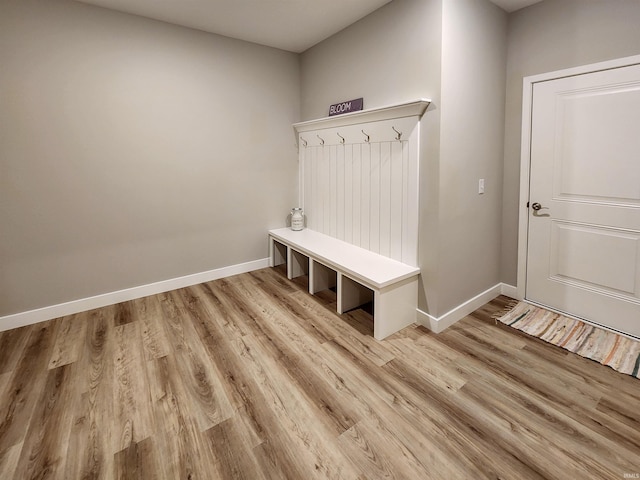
(346, 107)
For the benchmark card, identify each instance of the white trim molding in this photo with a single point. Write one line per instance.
(407, 109)
(81, 305)
(509, 291)
(439, 324)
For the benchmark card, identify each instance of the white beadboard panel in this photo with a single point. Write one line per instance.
(374, 198)
(396, 200)
(340, 191)
(410, 241)
(364, 190)
(348, 194)
(385, 199)
(306, 159)
(406, 227)
(365, 195)
(333, 189)
(325, 189)
(356, 184)
(318, 177)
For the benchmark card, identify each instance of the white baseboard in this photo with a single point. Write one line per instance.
(438, 324)
(509, 291)
(81, 305)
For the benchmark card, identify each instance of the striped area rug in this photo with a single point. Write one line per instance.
(616, 351)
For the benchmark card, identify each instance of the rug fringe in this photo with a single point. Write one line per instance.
(510, 305)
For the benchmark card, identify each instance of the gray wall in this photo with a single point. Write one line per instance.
(390, 56)
(454, 52)
(471, 147)
(133, 151)
(545, 37)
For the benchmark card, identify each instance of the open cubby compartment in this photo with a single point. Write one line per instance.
(278, 254)
(352, 294)
(297, 264)
(321, 277)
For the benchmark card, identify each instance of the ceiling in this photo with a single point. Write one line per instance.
(513, 5)
(293, 25)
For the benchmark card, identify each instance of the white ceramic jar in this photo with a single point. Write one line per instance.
(297, 219)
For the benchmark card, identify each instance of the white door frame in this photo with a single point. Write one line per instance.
(525, 150)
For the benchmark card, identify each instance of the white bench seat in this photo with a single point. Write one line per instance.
(354, 271)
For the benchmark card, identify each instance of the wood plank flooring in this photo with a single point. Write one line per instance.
(250, 377)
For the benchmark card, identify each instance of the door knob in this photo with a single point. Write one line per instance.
(536, 210)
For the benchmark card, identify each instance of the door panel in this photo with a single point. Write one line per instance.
(583, 254)
(590, 126)
(573, 260)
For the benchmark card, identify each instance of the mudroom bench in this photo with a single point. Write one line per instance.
(358, 275)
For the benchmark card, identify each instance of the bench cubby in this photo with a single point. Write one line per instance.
(278, 254)
(297, 264)
(321, 277)
(353, 295)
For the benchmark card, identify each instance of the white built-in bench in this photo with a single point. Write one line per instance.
(358, 275)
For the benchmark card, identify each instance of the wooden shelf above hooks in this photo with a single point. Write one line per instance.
(408, 109)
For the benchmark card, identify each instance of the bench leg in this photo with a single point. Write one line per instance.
(321, 277)
(394, 308)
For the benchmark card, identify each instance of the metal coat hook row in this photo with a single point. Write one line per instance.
(321, 139)
(398, 134)
(341, 137)
(366, 135)
(304, 142)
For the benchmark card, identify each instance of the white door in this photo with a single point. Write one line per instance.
(583, 253)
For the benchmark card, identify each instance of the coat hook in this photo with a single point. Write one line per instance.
(399, 134)
(366, 139)
(304, 142)
(341, 137)
(321, 140)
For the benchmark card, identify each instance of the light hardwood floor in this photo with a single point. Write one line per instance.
(251, 377)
